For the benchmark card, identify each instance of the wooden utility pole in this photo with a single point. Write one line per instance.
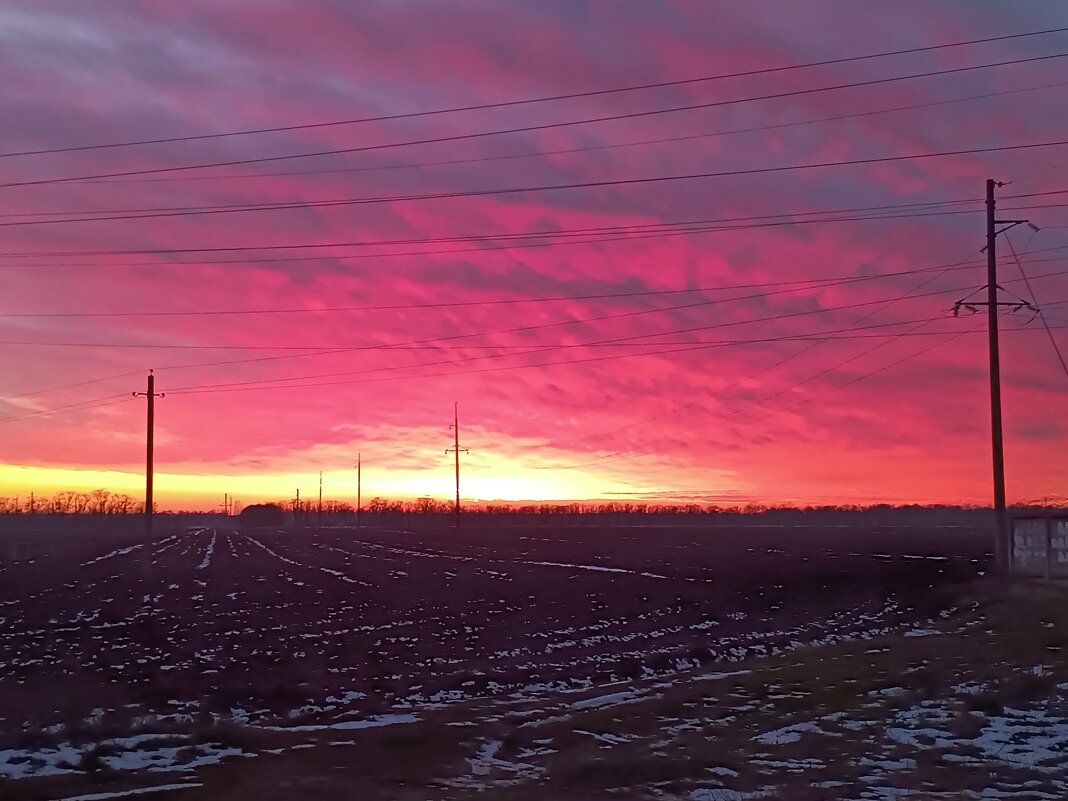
(1002, 543)
(151, 395)
(456, 450)
(1001, 519)
(996, 437)
(359, 504)
(320, 515)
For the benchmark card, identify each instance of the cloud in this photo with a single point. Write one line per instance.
(740, 408)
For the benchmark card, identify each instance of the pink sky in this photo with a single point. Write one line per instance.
(864, 417)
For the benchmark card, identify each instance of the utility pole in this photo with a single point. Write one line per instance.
(320, 499)
(359, 488)
(456, 450)
(996, 439)
(151, 395)
(1001, 522)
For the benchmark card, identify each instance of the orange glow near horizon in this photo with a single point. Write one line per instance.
(203, 492)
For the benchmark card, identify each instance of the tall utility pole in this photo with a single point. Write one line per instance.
(359, 504)
(456, 449)
(151, 395)
(996, 439)
(320, 499)
(993, 305)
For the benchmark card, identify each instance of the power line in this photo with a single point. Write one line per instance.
(650, 227)
(634, 453)
(824, 372)
(911, 331)
(521, 246)
(72, 386)
(1041, 314)
(878, 370)
(520, 329)
(548, 232)
(532, 100)
(1036, 194)
(509, 236)
(817, 341)
(815, 376)
(829, 281)
(815, 344)
(609, 357)
(525, 348)
(95, 403)
(531, 128)
(342, 350)
(691, 330)
(686, 346)
(808, 282)
(800, 284)
(938, 273)
(110, 400)
(588, 148)
(453, 337)
(538, 350)
(515, 241)
(507, 247)
(453, 195)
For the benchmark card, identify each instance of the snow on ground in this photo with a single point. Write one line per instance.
(369, 723)
(612, 699)
(123, 754)
(607, 738)
(600, 569)
(335, 573)
(490, 770)
(788, 734)
(1034, 738)
(116, 552)
(207, 554)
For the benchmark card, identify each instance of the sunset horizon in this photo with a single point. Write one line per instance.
(206, 493)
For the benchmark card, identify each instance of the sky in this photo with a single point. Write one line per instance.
(649, 329)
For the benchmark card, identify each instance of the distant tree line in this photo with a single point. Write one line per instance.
(103, 502)
(436, 506)
(96, 502)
